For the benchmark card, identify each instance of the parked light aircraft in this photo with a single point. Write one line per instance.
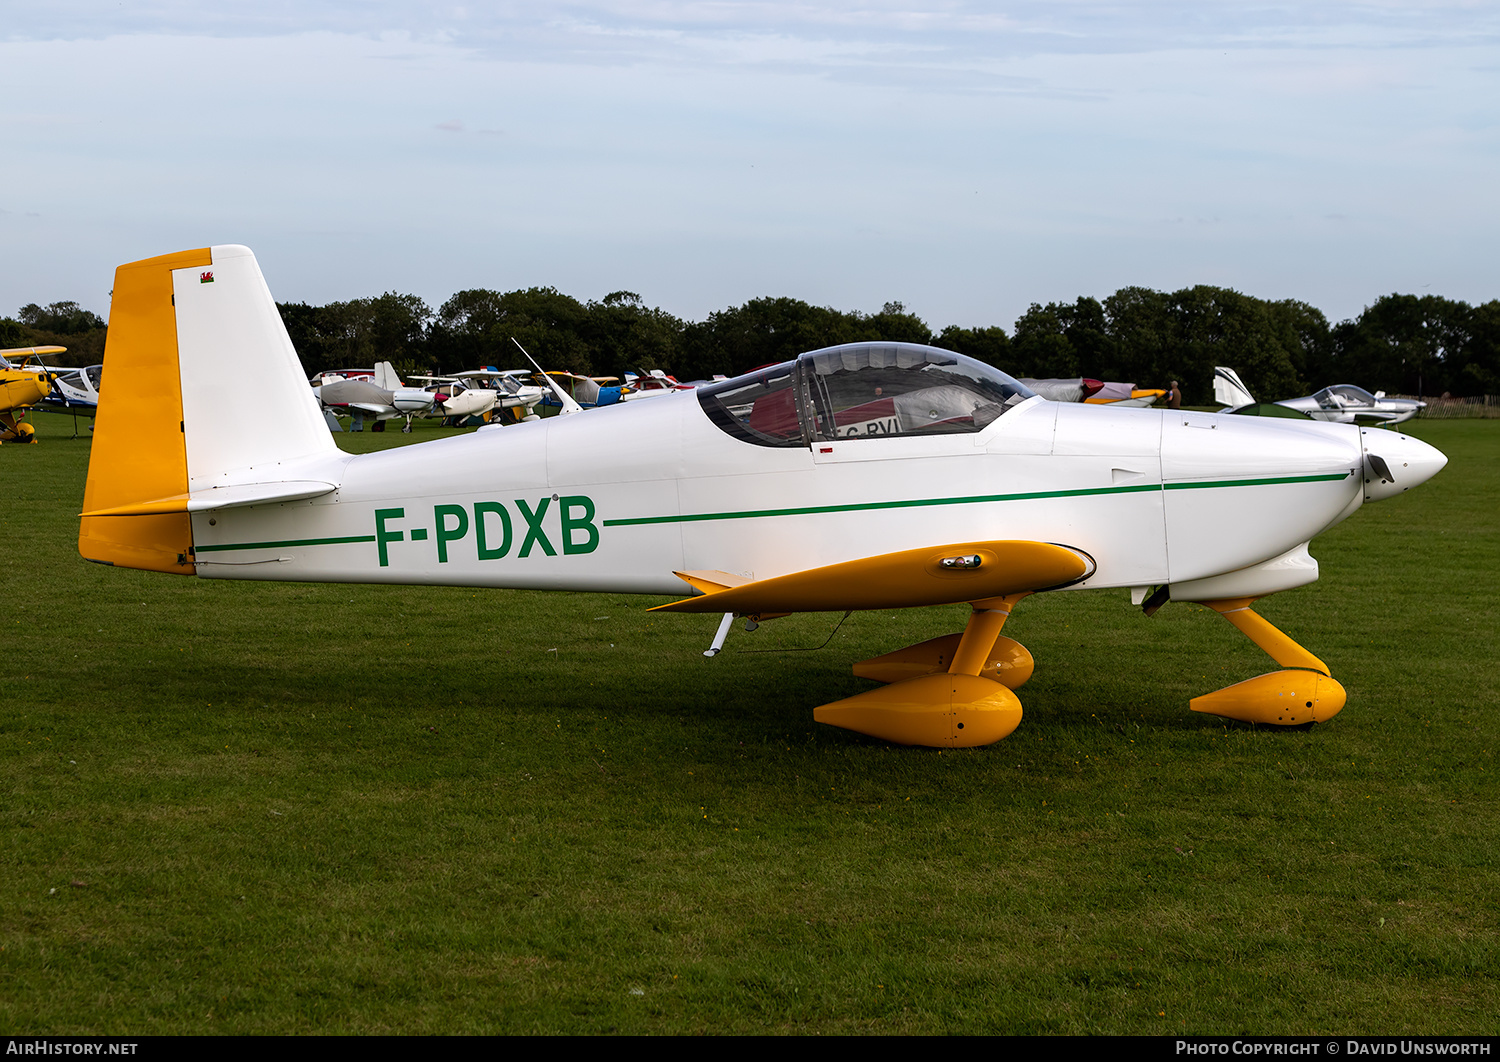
(650, 384)
(381, 395)
(864, 476)
(1063, 390)
(590, 392)
(1125, 394)
(478, 391)
(1099, 392)
(20, 389)
(74, 392)
(1341, 403)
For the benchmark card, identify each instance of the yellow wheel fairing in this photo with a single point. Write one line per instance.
(1009, 662)
(1305, 693)
(942, 711)
(1281, 698)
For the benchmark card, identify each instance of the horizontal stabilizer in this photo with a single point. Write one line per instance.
(234, 497)
(936, 575)
(708, 582)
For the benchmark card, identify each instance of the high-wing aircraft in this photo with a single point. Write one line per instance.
(863, 476)
(1341, 403)
(74, 391)
(590, 392)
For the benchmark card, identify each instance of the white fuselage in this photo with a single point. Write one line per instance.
(620, 498)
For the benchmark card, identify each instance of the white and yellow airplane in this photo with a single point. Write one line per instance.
(865, 476)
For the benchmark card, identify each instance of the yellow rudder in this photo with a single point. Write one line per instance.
(138, 465)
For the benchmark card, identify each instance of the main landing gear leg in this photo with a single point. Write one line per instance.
(1305, 693)
(950, 692)
(1008, 662)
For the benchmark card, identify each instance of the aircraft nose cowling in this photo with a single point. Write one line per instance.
(1395, 463)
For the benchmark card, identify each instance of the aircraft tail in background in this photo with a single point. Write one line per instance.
(1229, 389)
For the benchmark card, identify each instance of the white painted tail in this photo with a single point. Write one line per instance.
(247, 409)
(1229, 389)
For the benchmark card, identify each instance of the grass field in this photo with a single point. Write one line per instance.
(266, 808)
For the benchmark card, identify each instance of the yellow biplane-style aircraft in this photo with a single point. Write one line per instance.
(21, 387)
(863, 476)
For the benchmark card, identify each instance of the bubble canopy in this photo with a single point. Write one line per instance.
(861, 390)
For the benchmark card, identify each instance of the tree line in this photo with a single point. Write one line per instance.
(62, 324)
(1403, 344)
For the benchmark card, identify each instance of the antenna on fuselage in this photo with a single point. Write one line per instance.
(568, 405)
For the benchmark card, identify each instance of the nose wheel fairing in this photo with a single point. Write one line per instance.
(1303, 693)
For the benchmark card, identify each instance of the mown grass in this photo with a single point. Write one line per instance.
(261, 808)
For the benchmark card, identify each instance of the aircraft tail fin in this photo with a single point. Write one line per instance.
(386, 377)
(205, 391)
(1229, 389)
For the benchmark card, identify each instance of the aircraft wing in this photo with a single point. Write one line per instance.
(1377, 416)
(21, 357)
(936, 575)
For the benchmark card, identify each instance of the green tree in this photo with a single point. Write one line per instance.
(989, 345)
(1143, 324)
(1478, 372)
(63, 324)
(623, 333)
(60, 318)
(1219, 326)
(1060, 340)
(1404, 344)
(768, 330)
(358, 333)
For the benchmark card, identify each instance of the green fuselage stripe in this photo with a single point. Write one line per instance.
(750, 514)
(285, 544)
(813, 510)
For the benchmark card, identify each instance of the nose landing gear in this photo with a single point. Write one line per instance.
(1304, 693)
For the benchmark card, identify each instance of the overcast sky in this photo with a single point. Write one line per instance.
(964, 158)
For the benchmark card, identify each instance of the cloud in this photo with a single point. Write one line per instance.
(783, 31)
(965, 161)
